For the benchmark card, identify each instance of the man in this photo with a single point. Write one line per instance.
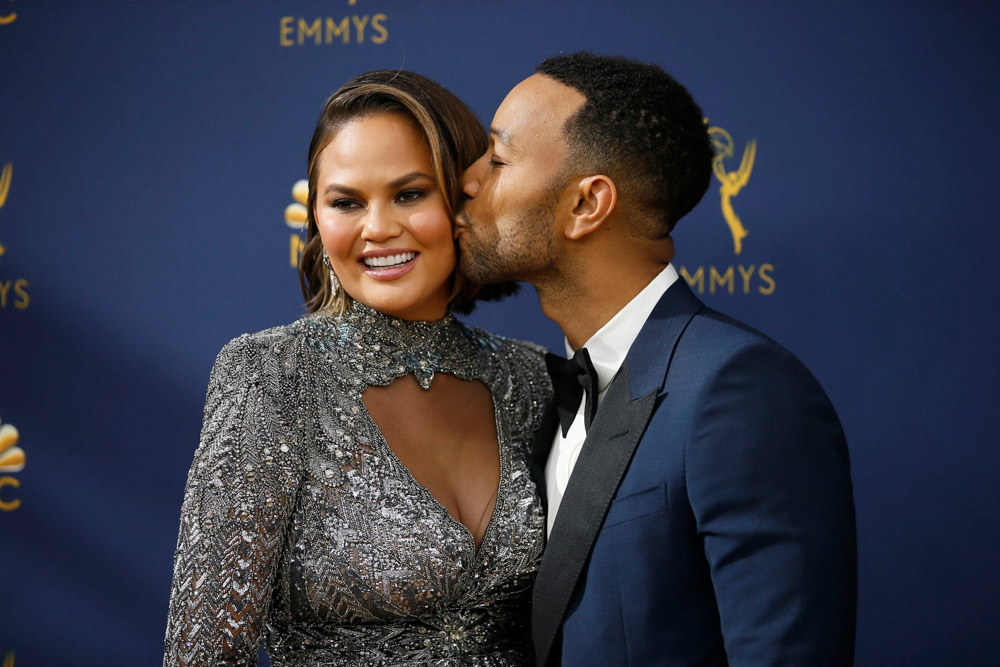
(703, 515)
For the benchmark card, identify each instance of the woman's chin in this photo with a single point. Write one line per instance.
(408, 306)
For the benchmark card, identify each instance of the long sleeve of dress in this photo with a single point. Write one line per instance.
(239, 495)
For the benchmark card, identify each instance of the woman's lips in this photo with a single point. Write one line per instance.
(389, 272)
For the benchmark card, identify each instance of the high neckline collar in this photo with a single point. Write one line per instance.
(361, 313)
(381, 347)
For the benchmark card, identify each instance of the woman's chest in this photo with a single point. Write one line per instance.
(367, 542)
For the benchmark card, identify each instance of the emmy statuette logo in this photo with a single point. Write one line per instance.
(8, 660)
(12, 460)
(731, 182)
(5, 175)
(296, 217)
(743, 278)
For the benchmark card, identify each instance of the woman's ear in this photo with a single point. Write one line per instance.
(595, 199)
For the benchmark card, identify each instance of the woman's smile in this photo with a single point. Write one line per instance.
(388, 264)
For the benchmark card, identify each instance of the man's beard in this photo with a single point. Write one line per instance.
(521, 254)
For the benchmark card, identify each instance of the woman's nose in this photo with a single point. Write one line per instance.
(380, 224)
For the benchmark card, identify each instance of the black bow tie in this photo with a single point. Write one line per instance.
(570, 379)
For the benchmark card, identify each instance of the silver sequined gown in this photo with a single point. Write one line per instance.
(300, 528)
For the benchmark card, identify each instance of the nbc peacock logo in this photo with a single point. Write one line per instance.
(296, 216)
(7, 19)
(12, 460)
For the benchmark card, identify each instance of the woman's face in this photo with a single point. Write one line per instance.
(383, 220)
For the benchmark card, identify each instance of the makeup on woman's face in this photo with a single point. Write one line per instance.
(383, 220)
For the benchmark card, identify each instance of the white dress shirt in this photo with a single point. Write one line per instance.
(607, 348)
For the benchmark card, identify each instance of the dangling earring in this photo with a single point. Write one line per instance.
(334, 282)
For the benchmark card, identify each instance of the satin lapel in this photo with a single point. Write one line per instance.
(540, 447)
(603, 460)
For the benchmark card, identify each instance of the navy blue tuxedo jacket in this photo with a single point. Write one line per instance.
(709, 519)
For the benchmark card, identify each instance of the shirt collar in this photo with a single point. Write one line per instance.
(610, 345)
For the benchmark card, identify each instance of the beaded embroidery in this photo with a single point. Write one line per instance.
(301, 529)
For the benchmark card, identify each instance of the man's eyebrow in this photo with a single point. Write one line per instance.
(503, 136)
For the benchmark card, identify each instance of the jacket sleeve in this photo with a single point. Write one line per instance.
(769, 483)
(239, 495)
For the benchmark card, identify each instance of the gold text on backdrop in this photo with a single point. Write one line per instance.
(327, 30)
(13, 291)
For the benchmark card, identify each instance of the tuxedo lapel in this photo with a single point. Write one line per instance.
(603, 460)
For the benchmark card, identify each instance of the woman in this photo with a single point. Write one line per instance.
(360, 494)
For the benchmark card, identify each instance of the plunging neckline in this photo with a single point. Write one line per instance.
(504, 464)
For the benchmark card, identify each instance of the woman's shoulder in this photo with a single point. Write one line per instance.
(264, 350)
(521, 350)
(521, 360)
(272, 339)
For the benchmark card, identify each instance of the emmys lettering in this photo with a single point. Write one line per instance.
(746, 279)
(327, 30)
(11, 461)
(13, 291)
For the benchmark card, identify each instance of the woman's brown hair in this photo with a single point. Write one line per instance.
(456, 140)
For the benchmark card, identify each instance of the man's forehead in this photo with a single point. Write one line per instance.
(537, 104)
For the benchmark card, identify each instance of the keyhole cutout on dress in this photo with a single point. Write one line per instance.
(446, 437)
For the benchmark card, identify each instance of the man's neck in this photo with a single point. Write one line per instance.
(584, 303)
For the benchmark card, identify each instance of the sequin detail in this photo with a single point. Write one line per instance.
(300, 528)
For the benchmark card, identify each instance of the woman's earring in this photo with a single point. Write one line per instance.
(334, 282)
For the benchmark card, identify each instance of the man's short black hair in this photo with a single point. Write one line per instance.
(640, 127)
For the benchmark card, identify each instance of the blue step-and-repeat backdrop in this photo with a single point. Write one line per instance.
(148, 153)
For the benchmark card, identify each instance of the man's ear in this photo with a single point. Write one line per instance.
(595, 199)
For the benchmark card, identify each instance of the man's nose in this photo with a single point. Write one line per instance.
(471, 177)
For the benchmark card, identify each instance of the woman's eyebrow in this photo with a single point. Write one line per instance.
(413, 176)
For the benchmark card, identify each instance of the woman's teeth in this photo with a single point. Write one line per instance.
(389, 261)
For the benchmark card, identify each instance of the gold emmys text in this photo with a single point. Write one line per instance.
(19, 299)
(298, 31)
(745, 278)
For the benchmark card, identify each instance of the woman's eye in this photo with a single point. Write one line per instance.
(409, 196)
(496, 162)
(344, 204)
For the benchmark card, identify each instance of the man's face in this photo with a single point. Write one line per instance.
(508, 227)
